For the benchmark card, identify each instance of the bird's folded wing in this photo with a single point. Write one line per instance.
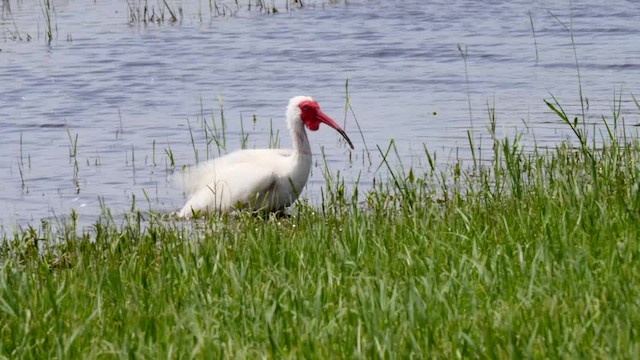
(194, 179)
(228, 186)
(247, 181)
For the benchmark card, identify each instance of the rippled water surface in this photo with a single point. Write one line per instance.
(91, 118)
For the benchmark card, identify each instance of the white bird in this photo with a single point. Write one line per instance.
(259, 179)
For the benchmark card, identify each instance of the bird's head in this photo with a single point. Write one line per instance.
(307, 110)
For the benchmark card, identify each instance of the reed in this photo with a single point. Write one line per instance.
(140, 12)
(13, 31)
(533, 31)
(47, 10)
(274, 137)
(464, 53)
(73, 156)
(348, 107)
(172, 163)
(569, 29)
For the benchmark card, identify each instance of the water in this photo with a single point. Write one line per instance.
(130, 92)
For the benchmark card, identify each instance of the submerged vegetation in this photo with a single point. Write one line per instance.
(526, 254)
(145, 12)
(170, 11)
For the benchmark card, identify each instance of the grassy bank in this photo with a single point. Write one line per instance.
(531, 254)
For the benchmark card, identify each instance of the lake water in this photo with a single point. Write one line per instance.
(88, 120)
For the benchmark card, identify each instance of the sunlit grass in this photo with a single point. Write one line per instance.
(534, 253)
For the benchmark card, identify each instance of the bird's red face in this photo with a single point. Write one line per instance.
(312, 116)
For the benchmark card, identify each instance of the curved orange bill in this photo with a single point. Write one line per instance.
(322, 117)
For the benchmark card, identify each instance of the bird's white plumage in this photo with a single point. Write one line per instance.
(258, 179)
(267, 179)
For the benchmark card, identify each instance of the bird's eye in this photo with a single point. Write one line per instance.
(305, 107)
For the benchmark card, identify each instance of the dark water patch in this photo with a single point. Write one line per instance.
(52, 126)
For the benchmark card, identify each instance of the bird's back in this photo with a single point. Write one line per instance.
(241, 178)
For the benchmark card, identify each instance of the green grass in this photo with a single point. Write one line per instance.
(535, 254)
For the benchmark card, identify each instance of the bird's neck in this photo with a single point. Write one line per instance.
(300, 140)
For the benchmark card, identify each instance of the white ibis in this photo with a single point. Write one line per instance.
(259, 179)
